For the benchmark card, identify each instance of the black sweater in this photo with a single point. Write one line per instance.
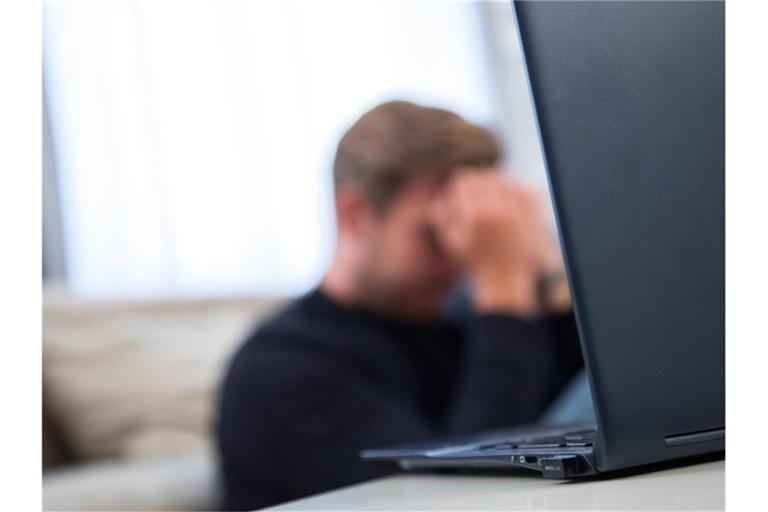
(319, 382)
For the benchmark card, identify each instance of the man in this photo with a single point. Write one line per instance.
(368, 358)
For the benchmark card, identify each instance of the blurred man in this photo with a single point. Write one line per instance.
(369, 358)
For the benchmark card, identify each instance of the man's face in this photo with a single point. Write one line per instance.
(405, 274)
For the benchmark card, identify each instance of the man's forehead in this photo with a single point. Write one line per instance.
(419, 192)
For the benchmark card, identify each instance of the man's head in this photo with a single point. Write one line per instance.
(389, 167)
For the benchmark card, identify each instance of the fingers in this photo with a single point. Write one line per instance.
(444, 218)
(478, 196)
(450, 216)
(481, 216)
(485, 196)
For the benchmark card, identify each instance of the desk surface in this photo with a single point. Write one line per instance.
(695, 487)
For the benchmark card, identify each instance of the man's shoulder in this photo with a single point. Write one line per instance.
(302, 345)
(298, 320)
(315, 335)
(305, 327)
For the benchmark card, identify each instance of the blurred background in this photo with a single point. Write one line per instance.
(187, 150)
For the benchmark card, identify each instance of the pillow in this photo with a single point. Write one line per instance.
(137, 380)
(181, 482)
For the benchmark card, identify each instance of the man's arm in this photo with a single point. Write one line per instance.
(291, 423)
(519, 353)
(293, 420)
(570, 360)
(508, 374)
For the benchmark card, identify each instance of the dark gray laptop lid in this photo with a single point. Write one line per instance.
(630, 104)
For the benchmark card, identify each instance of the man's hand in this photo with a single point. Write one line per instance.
(495, 229)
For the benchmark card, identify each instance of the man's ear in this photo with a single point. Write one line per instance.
(353, 211)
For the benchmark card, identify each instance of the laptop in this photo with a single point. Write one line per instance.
(630, 106)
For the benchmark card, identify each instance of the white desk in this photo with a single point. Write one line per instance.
(696, 487)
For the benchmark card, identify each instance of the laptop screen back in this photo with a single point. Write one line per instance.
(630, 104)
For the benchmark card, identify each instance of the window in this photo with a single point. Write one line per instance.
(193, 141)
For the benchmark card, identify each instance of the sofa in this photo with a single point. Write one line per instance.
(129, 391)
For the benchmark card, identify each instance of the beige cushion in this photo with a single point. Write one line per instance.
(140, 379)
(179, 482)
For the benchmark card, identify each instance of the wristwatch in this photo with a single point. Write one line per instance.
(546, 282)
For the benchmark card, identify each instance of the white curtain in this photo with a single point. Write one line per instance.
(194, 140)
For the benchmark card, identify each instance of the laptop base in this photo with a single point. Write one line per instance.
(554, 451)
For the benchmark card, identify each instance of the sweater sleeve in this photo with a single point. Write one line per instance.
(292, 423)
(507, 373)
(569, 356)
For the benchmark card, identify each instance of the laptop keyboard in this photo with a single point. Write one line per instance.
(573, 439)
